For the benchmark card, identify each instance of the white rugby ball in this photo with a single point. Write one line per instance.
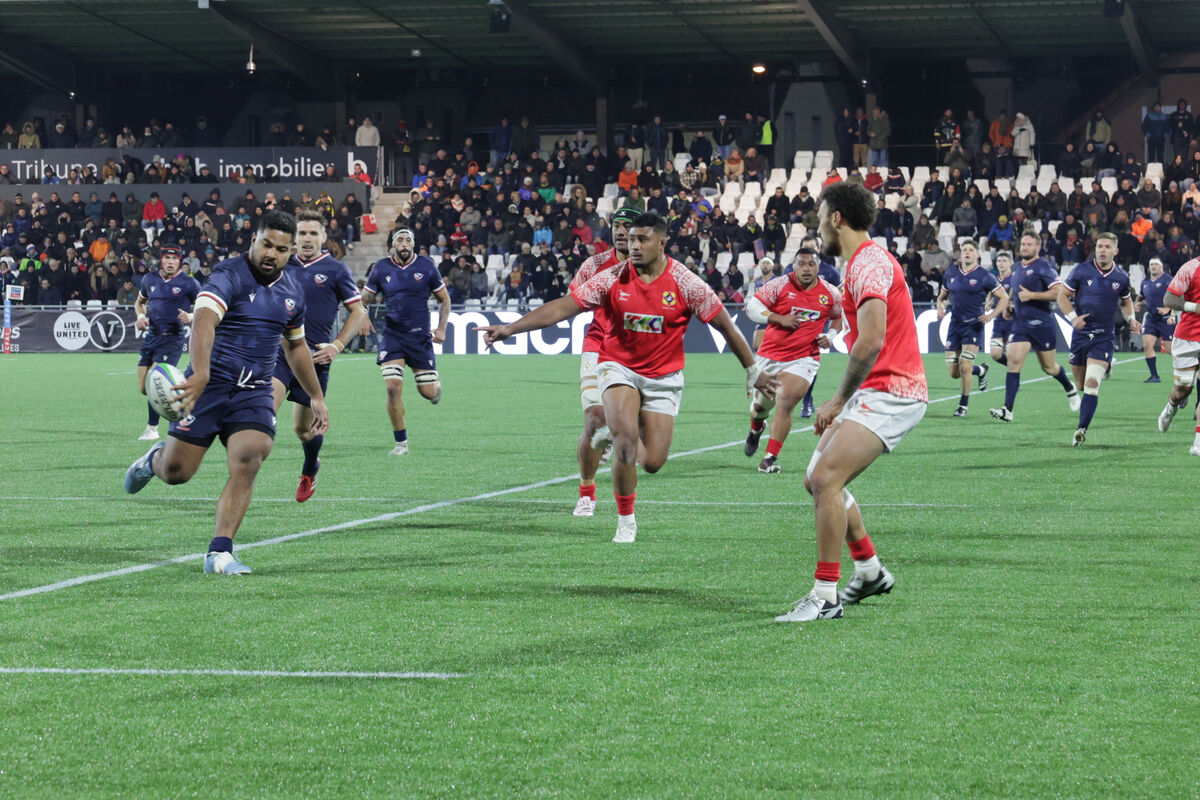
(160, 391)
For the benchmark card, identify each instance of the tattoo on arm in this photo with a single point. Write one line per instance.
(856, 372)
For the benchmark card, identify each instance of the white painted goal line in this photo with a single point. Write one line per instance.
(233, 673)
(421, 509)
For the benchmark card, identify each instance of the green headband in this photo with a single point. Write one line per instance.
(626, 214)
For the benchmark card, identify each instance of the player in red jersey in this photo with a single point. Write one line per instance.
(589, 449)
(795, 308)
(882, 396)
(1183, 295)
(649, 299)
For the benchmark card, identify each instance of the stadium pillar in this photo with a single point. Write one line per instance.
(602, 122)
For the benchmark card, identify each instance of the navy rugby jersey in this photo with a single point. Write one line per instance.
(406, 291)
(327, 283)
(1154, 291)
(1036, 276)
(167, 298)
(1099, 295)
(968, 292)
(246, 342)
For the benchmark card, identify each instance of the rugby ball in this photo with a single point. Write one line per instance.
(160, 391)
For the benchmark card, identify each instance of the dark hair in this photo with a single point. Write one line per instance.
(650, 219)
(307, 214)
(856, 204)
(807, 251)
(278, 221)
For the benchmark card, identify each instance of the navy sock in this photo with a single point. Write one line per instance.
(222, 544)
(1087, 409)
(1003, 359)
(1152, 363)
(401, 435)
(312, 448)
(1012, 385)
(976, 370)
(1062, 378)
(963, 399)
(152, 417)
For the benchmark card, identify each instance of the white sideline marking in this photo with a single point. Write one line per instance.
(530, 500)
(233, 673)
(116, 573)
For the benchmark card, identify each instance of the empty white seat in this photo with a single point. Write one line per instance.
(802, 157)
(611, 190)
(745, 259)
(1023, 185)
(789, 255)
(1053, 226)
(1047, 171)
(728, 203)
(946, 229)
(723, 260)
(907, 173)
(94, 304)
(946, 243)
(732, 190)
(920, 174)
(472, 302)
(1154, 169)
(1109, 185)
(1066, 184)
(845, 173)
(113, 304)
(752, 189)
(535, 302)
(606, 205)
(1003, 186)
(799, 174)
(901, 243)
(825, 155)
(681, 160)
(822, 164)
(1026, 171)
(495, 262)
(984, 186)
(1137, 274)
(1043, 184)
(74, 304)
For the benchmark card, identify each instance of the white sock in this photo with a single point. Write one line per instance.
(826, 590)
(868, 569)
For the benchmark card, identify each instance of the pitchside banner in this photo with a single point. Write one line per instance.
(268, 164)
(114, 330)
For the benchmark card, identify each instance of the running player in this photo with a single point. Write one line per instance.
(406, 280)
(589, 382)
(766, 272)
(241, 314)
(1098, 288)
(882, 396)
(795, 308)
(650, 298)
(1158, 324)
(1183, 296)
(1033, 327)
(828, 272)
(326, 283)
(968, 286)
(1003, 323)
(164, 301)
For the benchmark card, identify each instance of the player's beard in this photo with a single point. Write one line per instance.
(832, 247)
(403, 256)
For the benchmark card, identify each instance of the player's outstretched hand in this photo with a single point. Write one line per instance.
(827, 412)
(493, 333)
(190, 389)
(320, 413)
(1079, 321)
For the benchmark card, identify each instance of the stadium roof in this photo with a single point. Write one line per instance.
(54, 42)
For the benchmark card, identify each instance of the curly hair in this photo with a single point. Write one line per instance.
(856, 204)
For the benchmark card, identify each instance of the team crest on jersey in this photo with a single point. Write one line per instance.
(824, 300)
(187, 421)
(289, 304)
(319, 280)
(972, 282)
(1115, 286)
(174, 290)
(643, 323)
(668, 299)
(417, 275)
(1028, 272)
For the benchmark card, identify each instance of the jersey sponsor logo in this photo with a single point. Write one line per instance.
(668, 299)
(805, 314)
(319, 280)
(643, 323)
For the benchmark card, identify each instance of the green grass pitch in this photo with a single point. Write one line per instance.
(1040, 642)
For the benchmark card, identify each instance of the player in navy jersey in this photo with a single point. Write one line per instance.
(164, 301)
(326, 283)
(1033, 327)
(1098, 288)
(968, 286)
(1002, 325)
(245, 308)
(406, 280)
(1158, 324)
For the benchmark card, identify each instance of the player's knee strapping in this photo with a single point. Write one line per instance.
(966, 360)
(848, 499)
(1185, 379)
(1092, 378)
(812, 463)
(392, 372)
(997, 344)
(426, 377)
(762, 403)
(951, 359)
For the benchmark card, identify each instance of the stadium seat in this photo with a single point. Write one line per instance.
(901, 243)
(984, 186)
(778, 176)
(611, 190)
(681, 160)
(1067, 185)
(1109, 185)
(880, 240)
(745, 260)
(798, 174)
(94, 304)
(1023, 186)
(789, 255)
(535, 302)
(822, 163)
(803, 158)
(1053, 226)
(472, 303)
(728, 203)
(723, 260)
(606, 205)
(753, 189)
(907, 173)
(113, 304)
(1003, 186)
(1047, 171)
(986, 258)
(733, 190)
(920, 174)
(1027, 171)
(1043, 184)
(1154, 169)
(74, 304)
(1137, 274)
(891, 201)
(845, 173)
(945, 229)
(946, 242)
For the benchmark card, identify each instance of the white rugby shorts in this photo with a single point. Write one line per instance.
(804, 368)
(589, 381)
(883, 414)
(659, 395)
(1185, 354)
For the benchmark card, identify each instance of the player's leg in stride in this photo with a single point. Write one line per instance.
(302, 424)
(623, 409)
(150, 434)
(393, 380)
(793, 386)
(593, 421)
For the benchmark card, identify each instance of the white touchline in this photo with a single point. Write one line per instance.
(233, 673)
(356, 523)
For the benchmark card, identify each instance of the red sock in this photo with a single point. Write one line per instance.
(588, 491)
(625, 503)
(773, 447)
(757, 425)
(829, 571)
(862, 549)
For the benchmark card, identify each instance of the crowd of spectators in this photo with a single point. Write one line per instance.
(84, 247)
